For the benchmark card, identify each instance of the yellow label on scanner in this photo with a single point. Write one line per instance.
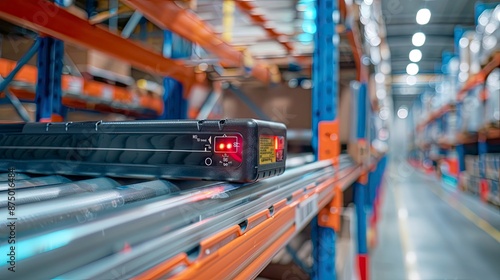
(267, 151)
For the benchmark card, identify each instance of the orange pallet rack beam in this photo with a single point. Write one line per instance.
(472, 82)
(250, 8)
(85, 88)
(47, 18)
(167, 15)
(234, 253)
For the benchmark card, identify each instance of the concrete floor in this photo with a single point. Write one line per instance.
(429, 231)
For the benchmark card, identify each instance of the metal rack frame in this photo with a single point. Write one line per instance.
(483, 141)
(233, 252)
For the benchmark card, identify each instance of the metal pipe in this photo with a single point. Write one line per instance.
(4, 177)
(25, 196)
(18, 106)
(131, 24)
(108, 236)
(84, 207)
(23, 182)
(209, 105)
(186, 238)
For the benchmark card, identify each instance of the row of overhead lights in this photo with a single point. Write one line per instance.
(418, 39)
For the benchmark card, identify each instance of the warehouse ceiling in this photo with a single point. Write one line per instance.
(245, 33)
(285, 16)
(400, 19)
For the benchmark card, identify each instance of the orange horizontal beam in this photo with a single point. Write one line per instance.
(437, 114)
(236, 254)
(473, 81)
(88, 88)
(480, 77)
(70, 102)
(249, 7)
(47, 18)
(167, 15)
(357, 51)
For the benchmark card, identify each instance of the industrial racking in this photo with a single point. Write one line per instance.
(242, 247)
(463, 131)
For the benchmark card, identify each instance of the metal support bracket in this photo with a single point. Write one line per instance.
(330, 216)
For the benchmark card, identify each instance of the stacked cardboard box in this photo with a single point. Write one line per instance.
(492, 165)
(472, 165)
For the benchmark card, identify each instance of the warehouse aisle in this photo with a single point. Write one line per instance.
(428, 231)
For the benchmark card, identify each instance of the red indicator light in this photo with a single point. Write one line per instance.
(226, 144)
(275, 142)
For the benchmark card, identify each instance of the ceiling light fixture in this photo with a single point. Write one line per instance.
(415, 55)
(423, 16)
(403, 112)
(418, 39)
(381, 93)
(379, 78)
(412, 69)
(411, 80)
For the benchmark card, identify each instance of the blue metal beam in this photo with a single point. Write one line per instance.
(324, 108)
(18, 106)
(208, 105)
(48, 89)
(113, 21)
(361, 188)
(26, 57)
(325, 66)
(131, 24)
(176, 106)
(323, 240)
(90, 6)
(296, 259)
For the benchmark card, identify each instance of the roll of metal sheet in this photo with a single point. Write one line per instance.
(32, 195)
(4, 177)
(81, 208)
(76, 246)
(34, 182)
(155, 251)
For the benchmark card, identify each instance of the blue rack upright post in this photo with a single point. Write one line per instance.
(324, 103)
(360, 189)
(48, 96)
(176, 106)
